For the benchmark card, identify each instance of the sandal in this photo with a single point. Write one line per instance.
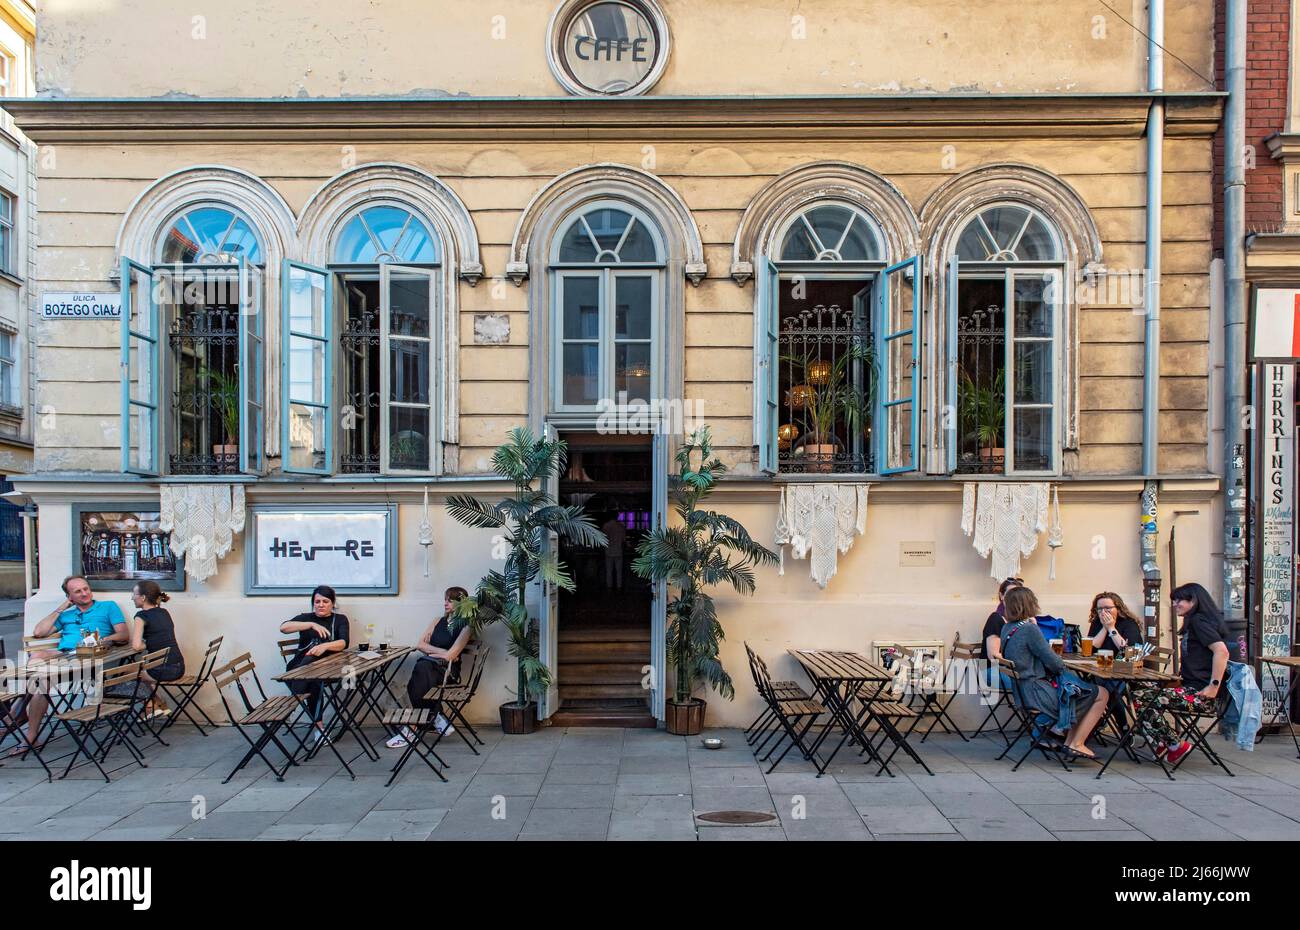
(1079, 754)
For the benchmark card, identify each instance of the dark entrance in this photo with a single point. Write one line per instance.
(604, 625)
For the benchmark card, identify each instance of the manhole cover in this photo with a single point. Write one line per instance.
(736, 817)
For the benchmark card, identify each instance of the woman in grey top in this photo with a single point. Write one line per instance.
(1047, 685)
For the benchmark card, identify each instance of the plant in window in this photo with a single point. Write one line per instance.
(526, 518)
(983, 413)
(223, 392)
(706, 549)
(827, 393)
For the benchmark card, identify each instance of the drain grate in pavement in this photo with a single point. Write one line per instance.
(737, 817)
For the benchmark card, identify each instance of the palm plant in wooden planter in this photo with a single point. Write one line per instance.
(526, 518)
(705, 548)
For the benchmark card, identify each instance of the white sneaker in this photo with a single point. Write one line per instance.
(443, 725)
(401, 739)
(320, 737)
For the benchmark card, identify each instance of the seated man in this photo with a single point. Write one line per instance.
(78, 616)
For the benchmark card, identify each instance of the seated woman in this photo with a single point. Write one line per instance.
(152, 629)
(1207, 649)
(1111, 625)
(320, 632)
(439, 663)
(1045, 683)
(991, 635)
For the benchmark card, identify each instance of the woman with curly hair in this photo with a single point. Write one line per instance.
(1111, 625)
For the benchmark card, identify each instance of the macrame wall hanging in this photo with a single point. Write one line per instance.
(425, 538)
(819, 522)
(203, 520)
(1005, 519)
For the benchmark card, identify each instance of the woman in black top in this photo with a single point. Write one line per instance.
(1111, 625)
(991, 635)
(439, 663)
(320, 633)
(152, 629)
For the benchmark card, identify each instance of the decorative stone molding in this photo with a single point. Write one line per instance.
(843, 182)
(149, 215)
(406, 186)
(569, 192)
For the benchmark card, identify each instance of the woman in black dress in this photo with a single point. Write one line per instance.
(1111, 625)
(152, 629)
(320, 633)
(439, 663)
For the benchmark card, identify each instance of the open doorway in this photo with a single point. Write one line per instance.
(604, 625)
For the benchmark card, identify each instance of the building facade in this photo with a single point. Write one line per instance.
(895, 248)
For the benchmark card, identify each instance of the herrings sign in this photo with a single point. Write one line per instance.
(1276, 495)
(607, 48)
(291, 550)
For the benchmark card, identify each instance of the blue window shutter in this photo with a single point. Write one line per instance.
(140, 380)
(252, 376)
(952, 433)
(898, 351)
(306, 295)
(766, 368)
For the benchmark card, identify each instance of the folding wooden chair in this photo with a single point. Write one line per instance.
(454, 697)
(419, 722)
(13, 722)
(288, 649)
(183, 691)
(140, 696)
(766, 720)
(794, 717)
(1029, 725)
(1196, 726)
(260, 713)
(891, 714)
(935, 704)
(99, 710)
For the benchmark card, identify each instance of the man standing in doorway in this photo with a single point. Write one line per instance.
(616, 533)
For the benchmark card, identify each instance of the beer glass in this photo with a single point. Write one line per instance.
(1086, 647)
(1058, 646)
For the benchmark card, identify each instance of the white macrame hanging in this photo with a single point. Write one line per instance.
(1055, 533)
(820, 521)
(203, 520)
(425, 537)
(1005, 522)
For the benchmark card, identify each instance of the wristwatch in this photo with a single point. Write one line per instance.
(1215, 682)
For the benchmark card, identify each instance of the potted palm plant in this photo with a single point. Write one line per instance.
(829, 395)
(223, 392)
(704, 549)
(526, 518)
(984, 414)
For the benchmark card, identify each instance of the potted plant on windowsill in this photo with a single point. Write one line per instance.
(704, 549)
(827, 397)
(526, 519)
(983, 412)
(223, 394)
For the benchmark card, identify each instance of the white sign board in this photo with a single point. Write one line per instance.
(1276, 335)
(1277, 528)
(61, 306)
(353, 550)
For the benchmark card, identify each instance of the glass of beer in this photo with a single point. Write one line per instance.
(1105, 657)
(1086, 647)
(1058, 646)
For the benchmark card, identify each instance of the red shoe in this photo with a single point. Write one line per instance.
(1161, 748)
(1177, 752)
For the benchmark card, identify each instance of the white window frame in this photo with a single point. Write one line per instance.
(8, 211)
(9, 369)
(608, 274)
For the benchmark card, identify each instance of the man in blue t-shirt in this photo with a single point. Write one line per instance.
(79, 615)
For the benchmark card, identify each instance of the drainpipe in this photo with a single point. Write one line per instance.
(1151, 305)
(1234, 321)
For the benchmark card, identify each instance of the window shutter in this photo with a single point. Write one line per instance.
(307, 376)
(952, 415)
(898, 353)
(140, 381)
(252, 375)
(766, 367)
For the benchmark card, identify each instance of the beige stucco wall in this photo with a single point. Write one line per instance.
(250, 49)
(88, 188)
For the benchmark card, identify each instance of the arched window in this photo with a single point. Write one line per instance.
(831, 232)
(209, 235)
(198, 308)
(1006, 341)
(607, 267)
(385, 233)
(829, 337)
(384, 280)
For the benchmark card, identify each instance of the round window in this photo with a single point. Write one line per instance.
(608, 48)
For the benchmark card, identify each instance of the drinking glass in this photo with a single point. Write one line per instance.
(1086, 647)
(1058, 646)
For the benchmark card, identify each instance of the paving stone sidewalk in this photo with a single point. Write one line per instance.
(597, 784)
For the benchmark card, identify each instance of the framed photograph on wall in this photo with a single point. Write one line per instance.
(115, 546)
(291, 549)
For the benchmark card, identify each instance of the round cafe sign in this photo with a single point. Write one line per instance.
(607, 48)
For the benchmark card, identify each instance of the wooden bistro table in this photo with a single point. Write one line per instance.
(61, 679)
(837, 678)
(1089, 668)
(1287, 665)
(349, 682)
